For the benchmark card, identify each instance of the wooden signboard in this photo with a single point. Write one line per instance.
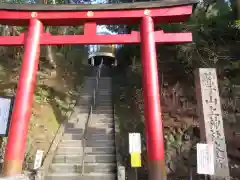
(6, 104)
(210, 119)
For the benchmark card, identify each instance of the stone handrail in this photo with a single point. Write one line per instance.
(93, 103)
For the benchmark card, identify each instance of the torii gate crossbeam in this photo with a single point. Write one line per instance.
(37, 16)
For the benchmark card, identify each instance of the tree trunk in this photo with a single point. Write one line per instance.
(49, 50)
(235, 5)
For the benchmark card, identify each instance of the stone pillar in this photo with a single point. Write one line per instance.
(210, 118)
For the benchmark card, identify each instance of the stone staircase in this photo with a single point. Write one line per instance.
(94, 157)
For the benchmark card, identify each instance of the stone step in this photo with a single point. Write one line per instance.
(83, 104)
(104, 84)
(97, 131)
(104, 94)
(81, 118)
(80, 124)
(70, 143)
(74, 125)
(91, 122)
(87, 159)
(105, 112)
(101, 125)
(100, 105)
(101, 137)
(100, 167)
(101, 119)
(77, 176)
(89, 136)
(69, 150)
(104, 98)
(88, 150)
(89, 142)
(106, 116)
(105, 81)
(72, 137)
(101, 102)
(100, 150)
(92, 130)
(73, 131)
(100, 158)
(88, 168)
(104, 87)
(68, 159)
(106, 78)
(103, 106)
(104, 90)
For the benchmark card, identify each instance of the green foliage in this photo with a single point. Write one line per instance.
(13, 1)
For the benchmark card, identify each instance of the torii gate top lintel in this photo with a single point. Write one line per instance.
(92, 15)
(124, 13)
(96, 7)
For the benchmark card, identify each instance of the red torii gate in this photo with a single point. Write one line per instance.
(38, 16)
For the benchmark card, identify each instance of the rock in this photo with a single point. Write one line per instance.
(237, 115)
(231, 118)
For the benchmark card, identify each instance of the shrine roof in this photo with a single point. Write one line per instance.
(99, 7)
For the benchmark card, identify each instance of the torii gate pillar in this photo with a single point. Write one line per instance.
(18, 132)
(152, 112)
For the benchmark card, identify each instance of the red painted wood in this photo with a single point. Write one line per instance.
(89, 38)
(160, 15)
(152, 106)
(90, 29)
(25, 92)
